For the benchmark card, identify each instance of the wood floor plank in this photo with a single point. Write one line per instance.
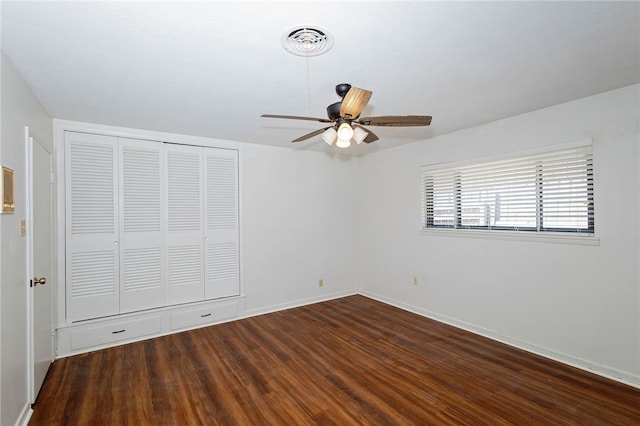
(346, 361)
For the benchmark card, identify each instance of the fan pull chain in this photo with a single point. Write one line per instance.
(306, 61)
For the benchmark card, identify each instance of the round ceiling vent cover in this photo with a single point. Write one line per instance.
(307, 41)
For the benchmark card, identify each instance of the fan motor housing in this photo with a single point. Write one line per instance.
(343, 89)
(333, 111)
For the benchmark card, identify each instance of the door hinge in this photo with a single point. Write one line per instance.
(52, 178)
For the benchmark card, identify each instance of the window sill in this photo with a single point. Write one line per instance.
(546, 237)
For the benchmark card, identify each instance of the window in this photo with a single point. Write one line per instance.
(543, 192)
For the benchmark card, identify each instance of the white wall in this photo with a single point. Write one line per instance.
(579, 304)
(19, 109)
(298, 216)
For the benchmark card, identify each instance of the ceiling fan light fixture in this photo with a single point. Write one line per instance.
(329, 135)
(343, 143)
(359, 134)
(345, 131)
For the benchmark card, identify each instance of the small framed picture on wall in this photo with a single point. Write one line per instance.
(8, 205)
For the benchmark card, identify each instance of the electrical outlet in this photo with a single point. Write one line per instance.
(415, 280)
(320, 282)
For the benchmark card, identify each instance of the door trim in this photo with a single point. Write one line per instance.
(29, 271)
(29, 140)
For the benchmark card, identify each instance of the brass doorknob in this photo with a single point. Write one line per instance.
(41, 281)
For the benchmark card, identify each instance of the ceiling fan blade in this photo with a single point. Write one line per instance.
(310, 135)
(296, 117)
(354, 102)
(371, 137)
(396, 120)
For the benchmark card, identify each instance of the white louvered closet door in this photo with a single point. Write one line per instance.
(222, 277)
(185, 224)
(91, 188)
(142, 251)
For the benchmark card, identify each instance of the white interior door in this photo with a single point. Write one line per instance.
(222, 275)
(92, 240)
(142, 251)
(41, 255)
(184, 233)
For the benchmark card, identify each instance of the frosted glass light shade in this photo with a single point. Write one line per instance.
(359, 134)
(345, 132)
(343, 143)
(329, 135)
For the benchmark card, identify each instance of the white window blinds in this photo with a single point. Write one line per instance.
(544, 192)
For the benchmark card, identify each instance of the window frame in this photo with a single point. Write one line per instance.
(428, 224)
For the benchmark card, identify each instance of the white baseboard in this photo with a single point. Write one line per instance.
(25, 415)
(298, 303)
(582, 364)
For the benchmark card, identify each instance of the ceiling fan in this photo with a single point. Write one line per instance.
(347, 123)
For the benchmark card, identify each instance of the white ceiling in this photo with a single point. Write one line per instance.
(211, 68)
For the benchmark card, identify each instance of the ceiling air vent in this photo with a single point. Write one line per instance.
(307, 41)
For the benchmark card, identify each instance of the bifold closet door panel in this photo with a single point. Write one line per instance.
(185, 224)
(91, 227)
(142, 248)
(222, 276)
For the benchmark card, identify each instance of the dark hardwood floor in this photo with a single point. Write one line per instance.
(346, 361)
